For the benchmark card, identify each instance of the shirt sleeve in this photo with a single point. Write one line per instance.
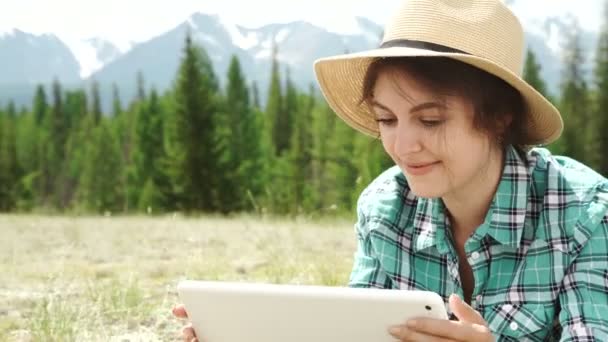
(584, 294)
(367, 270)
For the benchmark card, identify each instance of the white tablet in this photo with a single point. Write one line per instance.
(255, 312)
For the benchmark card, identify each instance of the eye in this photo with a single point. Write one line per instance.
(386, 121)
(431, 123)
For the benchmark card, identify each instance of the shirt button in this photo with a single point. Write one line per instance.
(475, 255)
(513, 326)
(478, 298)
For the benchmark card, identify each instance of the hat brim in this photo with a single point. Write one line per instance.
(341, 81)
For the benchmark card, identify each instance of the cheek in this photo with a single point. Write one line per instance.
(465, 160)
(387, 137)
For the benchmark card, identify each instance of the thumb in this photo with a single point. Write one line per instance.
(464, 312)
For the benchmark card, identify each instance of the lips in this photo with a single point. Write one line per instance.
(419, 165)
(415, 165)
(419, 169)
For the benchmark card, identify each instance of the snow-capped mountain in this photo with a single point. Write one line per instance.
(93, 54)
(547, 38)
(299, 44)
(27, 59)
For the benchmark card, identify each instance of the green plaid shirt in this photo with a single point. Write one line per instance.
(540, 259)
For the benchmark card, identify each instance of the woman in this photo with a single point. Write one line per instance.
(471, 209)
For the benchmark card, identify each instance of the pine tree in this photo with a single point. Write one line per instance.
(372, 161)
(40, 105)
(141, 87)
(324, 122)
(96, 103)
(274, 107)
(100, 184)
(256, 95)
(79, 126)
(75, 109)
(285, 124)
(302, 150)
(125, 126)
(574, 100)
(191, 148)
(58, 122)
(600, 119)
(77, 148)
(532, 73)
(343, 165)
(11, 110)
(28, 132)
(9, 169)
(149, 152)
(116, 105)
(232, 147)
(53, 141)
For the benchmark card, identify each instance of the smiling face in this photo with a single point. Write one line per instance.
(443, 136)
(431, 139)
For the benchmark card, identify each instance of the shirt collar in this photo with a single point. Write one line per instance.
(429, 225)
(505, 218)
(507, 214)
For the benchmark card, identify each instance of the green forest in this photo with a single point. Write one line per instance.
(204, 148)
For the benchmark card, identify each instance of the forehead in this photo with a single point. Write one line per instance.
(393, 85)
(399, 91)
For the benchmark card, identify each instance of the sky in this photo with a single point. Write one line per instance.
(125, 21)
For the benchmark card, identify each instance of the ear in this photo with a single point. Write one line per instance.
(505, 122)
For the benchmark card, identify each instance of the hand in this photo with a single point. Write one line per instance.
(470, 327)
(188, 334)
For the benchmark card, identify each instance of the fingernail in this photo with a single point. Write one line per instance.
(412, 323)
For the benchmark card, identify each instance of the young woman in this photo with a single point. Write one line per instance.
(514, 238)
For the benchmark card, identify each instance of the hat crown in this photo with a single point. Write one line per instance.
(483, 28)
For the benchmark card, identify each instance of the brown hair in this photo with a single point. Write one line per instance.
(491, 97)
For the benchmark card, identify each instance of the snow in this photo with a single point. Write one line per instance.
(263, 54)
(192, 24)
(555, 39)
(549, 31)
(7, 32)
(244, 41)
(86, 55)
(280, 37)
(206, 38)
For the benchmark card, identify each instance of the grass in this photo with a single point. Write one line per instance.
(114, 278)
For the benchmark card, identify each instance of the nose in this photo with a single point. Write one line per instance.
(407, 140)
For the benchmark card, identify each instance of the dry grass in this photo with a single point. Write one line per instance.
(113, 279)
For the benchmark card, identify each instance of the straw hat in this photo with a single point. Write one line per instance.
(482, 33)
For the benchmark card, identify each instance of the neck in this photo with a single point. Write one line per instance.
(468, 205)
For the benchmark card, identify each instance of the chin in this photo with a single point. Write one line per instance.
(426, 190)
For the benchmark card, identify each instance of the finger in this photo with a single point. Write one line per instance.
(402, 333)
(188, 333)
(452, 330)
(464, 312)
(180, 311)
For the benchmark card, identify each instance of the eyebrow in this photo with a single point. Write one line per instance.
(416, 108)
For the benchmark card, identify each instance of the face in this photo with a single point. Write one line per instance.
(431, 138)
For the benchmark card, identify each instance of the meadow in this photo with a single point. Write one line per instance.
(113, 278)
